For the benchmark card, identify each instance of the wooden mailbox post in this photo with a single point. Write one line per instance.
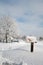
(32, 46)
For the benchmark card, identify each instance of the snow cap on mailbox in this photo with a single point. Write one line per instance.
(31, 39)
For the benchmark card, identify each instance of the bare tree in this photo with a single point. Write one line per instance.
(8, 28)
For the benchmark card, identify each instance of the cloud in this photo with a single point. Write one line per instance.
(30, 29)
(28, 14)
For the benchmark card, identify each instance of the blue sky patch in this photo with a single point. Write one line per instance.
(41, 16)
(28, 13)
(21, 19)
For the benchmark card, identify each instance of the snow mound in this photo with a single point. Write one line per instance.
(14, 45)
(4, 60)
(21, 63)
(19, 53)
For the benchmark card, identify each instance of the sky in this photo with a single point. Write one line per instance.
(28, 15)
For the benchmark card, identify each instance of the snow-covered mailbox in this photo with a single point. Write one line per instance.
(32, 40)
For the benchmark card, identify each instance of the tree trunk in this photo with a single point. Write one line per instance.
(6, 37)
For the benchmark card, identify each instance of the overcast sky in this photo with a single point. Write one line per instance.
(28, 14)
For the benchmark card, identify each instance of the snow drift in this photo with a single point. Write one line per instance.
(19, 53)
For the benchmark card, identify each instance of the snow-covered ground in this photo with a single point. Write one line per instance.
(19, 53)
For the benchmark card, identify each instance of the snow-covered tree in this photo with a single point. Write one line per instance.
(8, 28)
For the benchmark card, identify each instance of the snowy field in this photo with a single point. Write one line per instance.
(19, 53)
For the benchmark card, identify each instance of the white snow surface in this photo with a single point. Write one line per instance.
(14, 45)
(19, 53)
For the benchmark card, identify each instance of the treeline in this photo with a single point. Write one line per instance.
(40, 38)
